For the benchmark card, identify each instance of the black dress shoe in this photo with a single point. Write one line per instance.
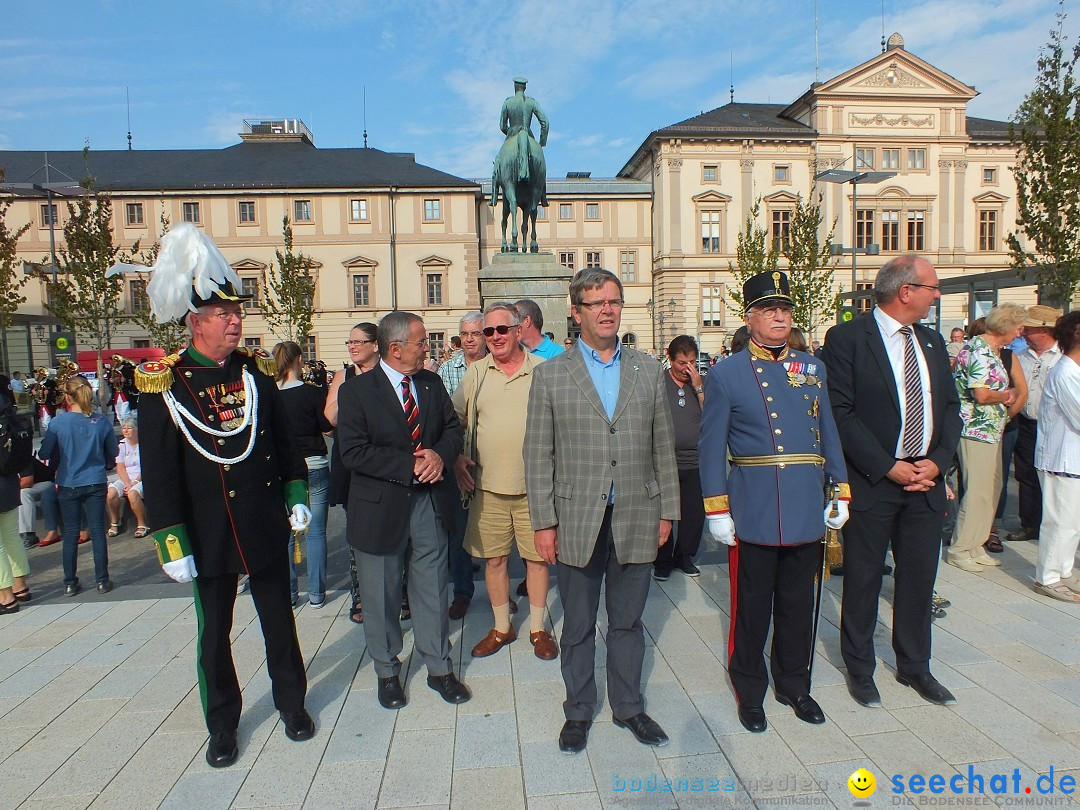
(298, 725)
(523, 588)
(690, 569)
(222, 750)
(450, 688)
(391, 694)
(105, 587)
(806, 708)
(644, 728)
(928, 688)
(863, 690)
(574, 736)
(72, 589)
(753, 718)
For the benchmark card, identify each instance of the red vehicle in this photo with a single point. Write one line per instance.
(88, 360)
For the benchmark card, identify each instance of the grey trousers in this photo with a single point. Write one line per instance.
(626, 592)
(380, 588)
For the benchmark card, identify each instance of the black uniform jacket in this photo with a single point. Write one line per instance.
(377, 449)
(235, 516)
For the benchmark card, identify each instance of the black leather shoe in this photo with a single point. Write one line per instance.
(222, 750)
(644, 728)
(806, 708)
(105, 587)
(298, 725)
(72, 589)
(863, 690)
(523, 588)
(753, 718)
(450, 688)
(391, 694)
(928, 688)
(574, 736)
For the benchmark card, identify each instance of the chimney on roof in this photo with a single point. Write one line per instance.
(578, 175)
(277, 130)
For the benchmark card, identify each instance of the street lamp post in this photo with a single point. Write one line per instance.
(855, 178)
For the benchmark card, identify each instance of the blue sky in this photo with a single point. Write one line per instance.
(607, 73)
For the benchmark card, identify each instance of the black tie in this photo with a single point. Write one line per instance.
(913, 398)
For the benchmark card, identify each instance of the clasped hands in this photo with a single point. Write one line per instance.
(427, 466)
(914, 476)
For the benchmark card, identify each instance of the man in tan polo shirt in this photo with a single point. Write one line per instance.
(491, 403)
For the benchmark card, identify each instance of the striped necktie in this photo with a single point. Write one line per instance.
(913, 398)
(412, 414)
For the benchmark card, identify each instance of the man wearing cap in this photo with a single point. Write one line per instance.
(767, 407)
(1041, 355)
(515, 120)
(224, 485)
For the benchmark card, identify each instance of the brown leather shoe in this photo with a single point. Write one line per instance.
(493, 642)
(544, 645)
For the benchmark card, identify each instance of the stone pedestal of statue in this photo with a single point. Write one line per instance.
(513, 276)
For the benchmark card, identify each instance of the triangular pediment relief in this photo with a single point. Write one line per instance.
(892, 191)
(892, 75)
(991, 197)
(248, 266)
(714, 197)
(359, 263)
(434, 261)
(896, 71)
(781, 198)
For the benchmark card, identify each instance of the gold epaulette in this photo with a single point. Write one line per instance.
(155, 376)
(264, 361)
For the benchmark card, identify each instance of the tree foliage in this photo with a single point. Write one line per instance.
(290, 292)
(811, 268)
(755, 253)
(12, 280)
(169, 336)
(1047, 172)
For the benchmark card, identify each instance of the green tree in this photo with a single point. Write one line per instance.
(170, 336)
(12, 279)
(290, 292)
(1047, 172)
(755, 253)
(811, 268)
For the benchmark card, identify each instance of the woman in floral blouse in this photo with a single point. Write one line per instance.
(982, 382)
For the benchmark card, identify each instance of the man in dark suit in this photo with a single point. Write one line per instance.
(399, 437)
(898, 415)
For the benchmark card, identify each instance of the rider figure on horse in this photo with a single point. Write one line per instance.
(514, 121)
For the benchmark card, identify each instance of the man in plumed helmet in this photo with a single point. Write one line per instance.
(768, 407)
(225, 482)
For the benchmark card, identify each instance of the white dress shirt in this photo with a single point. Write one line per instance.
(1057, 448)
(894, 348)
(396, 377)
(1036, 368)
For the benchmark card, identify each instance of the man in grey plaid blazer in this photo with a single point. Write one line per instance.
(603, 491)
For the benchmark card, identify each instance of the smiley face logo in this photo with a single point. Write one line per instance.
(862, 784)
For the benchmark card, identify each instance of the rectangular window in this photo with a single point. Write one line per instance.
(246, 211)
(358, 210)
(301, 210)
(628, 266)
(890, 230)
(134, 213)
(864, 159)
(593, 258)
(308, 298)
(434, 289)
(361, 291)
(436, 344)
(140, 343)
(566, 259)
(916, 159)
(915, 229)
(710, 174)
(250, 286)
(49, 215)
(592, 211)
(989, 176)
(865, 304)
(712, 305)
(781, 229)
(864, 228)
(310, 349)
(253, 342)
(191, 212)
(890, 159)
(566, 210)
(710, 231)
(988, 230)
(781, 173)
(432, 210)
(137, 299)
(541, 214)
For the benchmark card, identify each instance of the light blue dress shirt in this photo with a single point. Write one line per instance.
(605, 377)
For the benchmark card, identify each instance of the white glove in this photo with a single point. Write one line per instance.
(838, 520)
(182, 570)
(722, 527)
(300, 518)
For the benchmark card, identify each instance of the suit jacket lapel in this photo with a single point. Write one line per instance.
(933, 368)
(628, 371)
(423, 393)
(388, 396)
(579, 373)
(877, 348)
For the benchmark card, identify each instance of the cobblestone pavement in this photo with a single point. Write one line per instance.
(101, 707)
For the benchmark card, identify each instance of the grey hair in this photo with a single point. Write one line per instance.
(504, 306)
(130, 420)
(591, 278)
(394, 328)
(469, 317)
(527, 308)
(893, 275)
(1005, 317)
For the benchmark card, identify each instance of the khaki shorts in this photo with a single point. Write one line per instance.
(495, 521)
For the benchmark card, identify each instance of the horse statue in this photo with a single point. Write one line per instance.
(520, 170)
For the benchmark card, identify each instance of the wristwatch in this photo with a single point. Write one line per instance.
(699, 390)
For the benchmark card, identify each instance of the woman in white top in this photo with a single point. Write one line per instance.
(1057, 458)
(129, 481)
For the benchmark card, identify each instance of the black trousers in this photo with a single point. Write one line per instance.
(907, 522)
(683, 545)
(777, 583)
(219, 688)
(1027, 477)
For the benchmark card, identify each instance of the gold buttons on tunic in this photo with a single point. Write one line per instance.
(760, 370)
(228, 467)
(764, 385)
(187, 373)
(221, 441)
(773, 415)
(777, 431)
(232, 493)
(780, 448)
(209, 417)
(202, 393)
(768, 399)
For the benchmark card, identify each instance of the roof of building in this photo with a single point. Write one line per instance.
(254, 165)
(981, 129)
(573, 186)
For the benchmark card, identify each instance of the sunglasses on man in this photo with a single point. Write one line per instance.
(502, 329)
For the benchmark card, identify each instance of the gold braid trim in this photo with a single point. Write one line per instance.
(155, 376)
(717, 503)
(263, 360)
(843, 492)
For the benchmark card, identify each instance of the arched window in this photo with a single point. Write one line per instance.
(629, 339)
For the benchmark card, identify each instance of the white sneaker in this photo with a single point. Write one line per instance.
(965, 564)
(985, 559)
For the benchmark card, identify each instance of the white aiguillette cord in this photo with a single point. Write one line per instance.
(181, 417)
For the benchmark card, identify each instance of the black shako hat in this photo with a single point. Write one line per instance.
(764, 287)
(223, 294)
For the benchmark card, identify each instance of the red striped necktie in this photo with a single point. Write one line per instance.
(412, 414)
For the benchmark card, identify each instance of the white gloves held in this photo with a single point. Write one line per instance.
(722, 527)
(300, 518)
(182, 570)
(838, 520)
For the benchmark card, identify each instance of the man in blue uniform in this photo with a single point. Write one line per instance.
(768, 406)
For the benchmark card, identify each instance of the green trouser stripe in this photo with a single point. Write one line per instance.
(198, 648)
